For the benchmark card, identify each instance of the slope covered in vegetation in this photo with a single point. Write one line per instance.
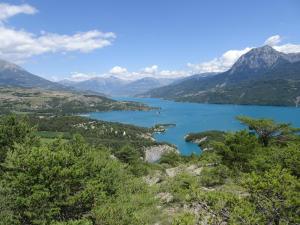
(262, 76)
(243, 179)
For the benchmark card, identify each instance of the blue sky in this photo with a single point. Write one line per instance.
(136, 38)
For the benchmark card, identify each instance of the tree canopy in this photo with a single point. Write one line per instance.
(268, 129)
(242, 179)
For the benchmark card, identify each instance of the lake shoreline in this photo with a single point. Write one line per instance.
(194, 118)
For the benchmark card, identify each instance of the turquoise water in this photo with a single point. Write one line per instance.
(193, 117)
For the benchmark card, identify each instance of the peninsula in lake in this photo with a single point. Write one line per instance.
(149, 112)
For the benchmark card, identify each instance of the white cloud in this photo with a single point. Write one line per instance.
(151, 70)
(19, 45)
(118, 70)
(123, 73)
(76, 76)
(285, 48)
(288, 48)
(224, 62)
(7, 10)
(173, 73)
(273, 40)
(220, 64)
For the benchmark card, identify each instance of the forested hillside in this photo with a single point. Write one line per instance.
(246, 177)
(263, 76)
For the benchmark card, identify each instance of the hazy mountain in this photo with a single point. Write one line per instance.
(144, 84)
(118, 87)
(195, 77)
(262, 76)
(105, 85)
(13, 75)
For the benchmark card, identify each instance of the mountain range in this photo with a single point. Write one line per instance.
(114, 86)
(262, 76)
(15, 76)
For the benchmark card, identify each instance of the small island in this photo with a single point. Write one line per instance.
(206, 138)
(162, 127)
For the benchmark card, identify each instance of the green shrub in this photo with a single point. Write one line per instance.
(65, 181)
(171, 158)
(127, 154)
(212, 176)
(184, 219)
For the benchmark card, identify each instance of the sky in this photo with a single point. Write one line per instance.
(131, 39)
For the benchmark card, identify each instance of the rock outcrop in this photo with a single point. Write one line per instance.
(154, 153)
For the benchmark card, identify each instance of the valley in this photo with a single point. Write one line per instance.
(135, 161)
(149, 112)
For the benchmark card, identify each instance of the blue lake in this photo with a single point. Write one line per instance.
(193, 117)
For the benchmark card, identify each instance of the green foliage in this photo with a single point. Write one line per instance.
(237, 150)
(108, 134)
(286, 156)
(139, 168)
(68, 183)
(14, 130)
(127, 154)
(6, 213)
(132, 205)
(183, 187)
(135, 164)
(289, 157)
(50, 184)
(267, 129)
(207, 138)
(74, 222)
(184, 219)
(210, 158)
(216, 205)
(269, 193)
(275, 194)
(212, 176)
(242, 212)
(170, 158)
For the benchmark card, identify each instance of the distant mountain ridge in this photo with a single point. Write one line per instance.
(114, 86)
(24, 92)
(106, 86)
(262, 76)
(13, 75)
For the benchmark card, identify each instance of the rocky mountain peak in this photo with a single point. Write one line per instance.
(257, 59)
